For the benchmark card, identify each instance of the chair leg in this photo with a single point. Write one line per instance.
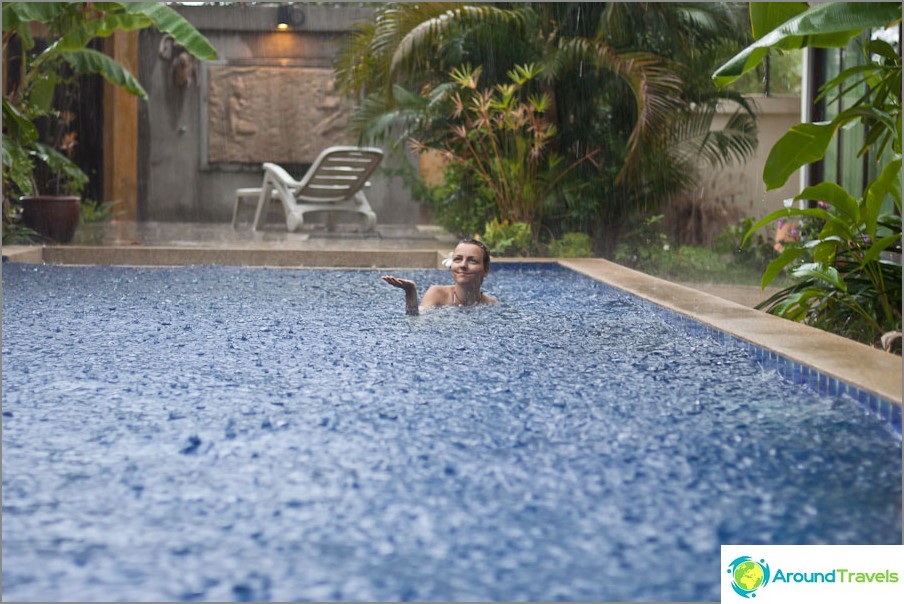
(242, 197)
(370, 218)
(263, 201)
(293, 221)
(235, 210)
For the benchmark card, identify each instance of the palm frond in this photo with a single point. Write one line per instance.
(656, 89)
(376, 120)
(430, 33)
(693, 138)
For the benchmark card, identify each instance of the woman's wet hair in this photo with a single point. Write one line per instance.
(481, 245)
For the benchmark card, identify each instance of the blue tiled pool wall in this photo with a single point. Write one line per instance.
(796, 373)
(825, 385)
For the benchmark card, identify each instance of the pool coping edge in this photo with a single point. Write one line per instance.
(867, 368)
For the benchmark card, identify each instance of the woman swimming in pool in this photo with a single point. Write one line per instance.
(470, 264)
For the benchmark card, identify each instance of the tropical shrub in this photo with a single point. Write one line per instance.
(462, 204)
(506, 238)
(571, 245)
(502, 135)
(842, 280)
(629, 79)
(753, 252)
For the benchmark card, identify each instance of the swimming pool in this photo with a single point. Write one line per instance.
(216, 433)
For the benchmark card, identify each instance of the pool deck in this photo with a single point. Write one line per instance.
(727, 308)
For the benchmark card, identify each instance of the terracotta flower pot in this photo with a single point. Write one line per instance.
(54, 216)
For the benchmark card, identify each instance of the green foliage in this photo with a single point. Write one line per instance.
(843, 278)
(647, 248)
(19, 234)
(47, 75)
(502, 135)
(571, 245)
(842, 282)
(506, 238)
(629, 79)
(94, 211)
(756, 255)
(462, 204)
(827, 25)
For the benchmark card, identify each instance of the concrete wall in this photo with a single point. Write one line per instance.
(775, 116)
(175, 181)
(725, 196)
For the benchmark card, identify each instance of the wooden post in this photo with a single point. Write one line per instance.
(121, 130)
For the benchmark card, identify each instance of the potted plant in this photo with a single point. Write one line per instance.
(38, 171)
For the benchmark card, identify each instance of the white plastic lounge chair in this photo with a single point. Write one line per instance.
(335, 182)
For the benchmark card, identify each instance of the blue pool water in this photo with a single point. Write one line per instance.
(216, 433)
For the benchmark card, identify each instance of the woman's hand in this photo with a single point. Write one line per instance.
(410, 290)
(405, 284)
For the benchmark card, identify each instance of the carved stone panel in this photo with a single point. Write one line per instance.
(280, 114)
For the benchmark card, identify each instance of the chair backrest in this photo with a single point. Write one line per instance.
(338, 173)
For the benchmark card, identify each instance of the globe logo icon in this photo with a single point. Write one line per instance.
(748, 575)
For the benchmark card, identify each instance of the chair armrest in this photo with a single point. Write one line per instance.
(280, 175)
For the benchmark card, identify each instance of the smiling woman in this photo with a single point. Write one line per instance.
(469, 263)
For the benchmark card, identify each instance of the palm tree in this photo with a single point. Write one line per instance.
(604, 68)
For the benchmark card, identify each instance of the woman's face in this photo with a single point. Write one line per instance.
(468, 267)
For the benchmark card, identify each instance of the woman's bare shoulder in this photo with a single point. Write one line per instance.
(437, 295)
(485, 299)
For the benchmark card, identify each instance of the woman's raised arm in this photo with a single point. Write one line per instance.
(410, 290)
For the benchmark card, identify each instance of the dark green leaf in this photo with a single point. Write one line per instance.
(23, 12)
(20, 128)
(92, 61)
(820, 271)
(776, 266)
(40, 96)
(824, 25)
(878, 247)
(169, 21)
(797, 305)
(801, 145)
(888, 183)
(61, 164)
(835, 196)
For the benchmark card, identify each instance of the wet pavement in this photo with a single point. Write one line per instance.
(224, 235)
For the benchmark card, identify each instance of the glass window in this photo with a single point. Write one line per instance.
(841, 163)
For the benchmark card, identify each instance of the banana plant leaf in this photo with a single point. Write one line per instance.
(92, 61)
(801, 145)
(828, 25)
(766, 16)
(169, 21)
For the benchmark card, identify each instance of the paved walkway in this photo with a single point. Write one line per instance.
(273, 236)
